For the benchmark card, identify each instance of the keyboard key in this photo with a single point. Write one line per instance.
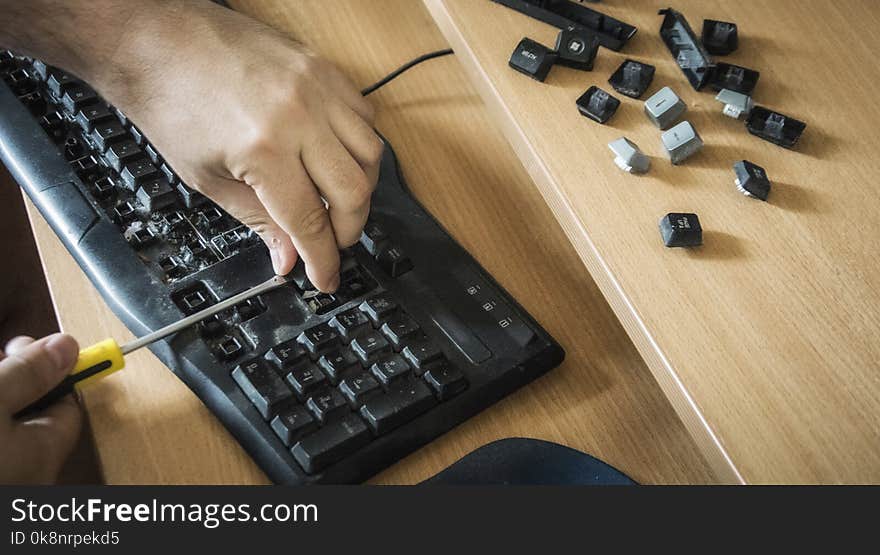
(191, 198)
(370, 346)
(265, 389)
(122, 153)
(399, 328)
(106, 133)
(299, 277)
(137, 135)
(169, 174)
(77, 96)
(360, 388)
(153, 154)
(89, 116)
(421, 354)
(405, 401)
(155, 194)
(137, 172)
(378, 308)
(293, 423)
(373, 238)
(331, 443)
(327, 405)
(394, 261)
(305, 379)
(318, 339)
(350, 323)
(390, 369)
(446, 381)
(58, 81)
(338, 363)
(285, 355)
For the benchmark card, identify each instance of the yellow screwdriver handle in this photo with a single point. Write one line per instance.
(98, 361)
(93, 363)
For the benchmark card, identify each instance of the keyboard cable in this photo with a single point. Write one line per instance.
(423, 58)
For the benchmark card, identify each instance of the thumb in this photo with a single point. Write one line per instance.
(32, 370)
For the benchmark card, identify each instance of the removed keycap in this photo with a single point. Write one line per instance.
(628, 157)
(597, 104)
(532, 59)
(751, 180)
(681, 142)
(719, 37)
(664, 107)
(735, 104)
(681, 230)
(576, 49)
(632, 78)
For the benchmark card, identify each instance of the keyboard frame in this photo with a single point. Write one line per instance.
(142, 301)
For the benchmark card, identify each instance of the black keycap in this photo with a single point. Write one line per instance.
(378, 308)
(390, 369)
(394, 261)
(597, 104)
(107, 133)
(265, 389)
(399, 328)
(299, 277)
(153, 154)
(327, 405)
(681, 230)
(318, 339)
(191, 198)
(338, 363)
(446, 381)
(369, 346)
(89, 116)
(230, 348)
(576, 48)
(350, 323)
(169, 174)
(137, 135)
(331, 443)
(59, 81)
(360, 388)
(421, 354)
(137, 172)
(305, 379)
(405, 401)
(77, 96)
(121, 153)
(104, 188)
(285, 355)
(156, 194)
(373, 237)
(293, 423)
(533, 59)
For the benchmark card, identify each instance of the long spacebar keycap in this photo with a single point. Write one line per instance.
(331, 443)
(403, 402)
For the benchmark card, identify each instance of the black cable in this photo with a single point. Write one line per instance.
(404, 67)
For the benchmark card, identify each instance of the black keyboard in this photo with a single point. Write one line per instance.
(316, 387)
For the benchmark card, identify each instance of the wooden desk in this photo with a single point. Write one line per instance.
(149, 428)
(767, 339)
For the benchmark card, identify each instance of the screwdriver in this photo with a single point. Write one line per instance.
(107, 356)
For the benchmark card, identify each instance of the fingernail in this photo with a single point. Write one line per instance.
(334, 283)
(62, 350)
(276, 260)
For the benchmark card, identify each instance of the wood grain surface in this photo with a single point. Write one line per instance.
(767, 338)
(149, 428)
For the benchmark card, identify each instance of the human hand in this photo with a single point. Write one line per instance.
(35, 447)
(255, 122)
